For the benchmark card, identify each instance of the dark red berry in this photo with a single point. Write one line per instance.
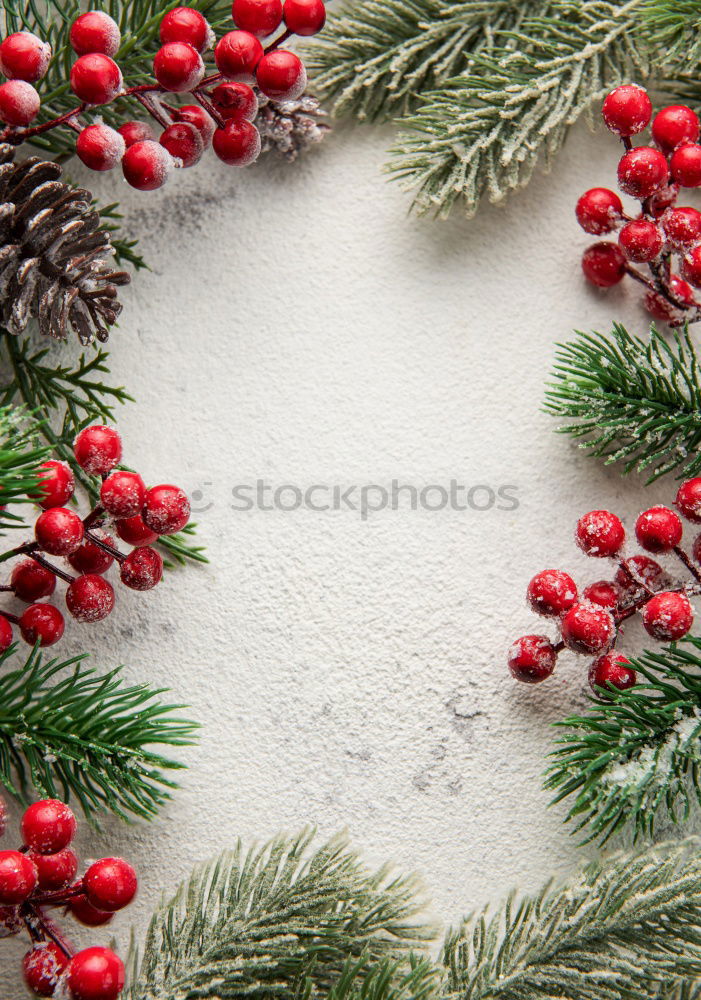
(260, 17)
(640, 240)
(184, 143)
(600, 533)
(532, 658)
(599, 211)
(95, 31)
(42, 623)
(237, 144)
(605, 593)
(133, 132)
(100, 147)
(178, 67)
(23, 56)
(55, 871)
(685, 165)
(146, 165)
(56, 485)
(43, 967)
(59, 531)
(90, 598)
(642, 171)
(185, 24)
(660, 308)
(110, 884)
(96, 79)
(668, 616)
(603, 264)
(133, 531)
(281, 75)
(691, 266)
(89, 557)
(627, 110)
(167, 509)
(688, 501)
(18, 878)
(123, 493)
(661, 200)
(674, 125)
(237, 54)
(235, 100)
(551, 592)
(682, 227)
(611, 670)
(48, 826)
(19, 103)
(95, 974)
(142, 569)
(588, 628)
(86, 913)
(193, 114)
(641, 571)
(658, 529)
(31, 582)
(97, 449)
(6, 636)
(304, 17)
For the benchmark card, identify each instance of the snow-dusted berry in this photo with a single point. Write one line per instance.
(260, 17)
(673, 126)
(123, 493)
(604, 264)
(30, 581)
(668, 616)
(91, 558)
(42, 623)
(133, 132)
(599, 211)
(6, 636)
(685, 165)
(54, 871)
(85, 913)
(142, 569)
(43, 967)
(95, 31)
(642, 171)
(19, 103)
(184, 143)
(24, 56)
(640, 571)
(193, 114)
(661, 308)
(100, 147)
(600, 533)
(178, 67)
(688, 501)
(95, 974)
(588, 628)
(167, 509)
(238, 143)
(605, 593)
(640, 240)
(48, 826)
(97, 449)
(658, 529)
(532, 658)
(56, 484)
(611, 670)
(18, 878)
(627, 110)
(234, 99)
(551, 593)
(237, 55)
(185, 24)
(691, 266)
(133, 531)
(682, 227)
(90, 598)
(281, 75)
(96, 79)
(59, 531)
(304, 17)
(110, 884)
(147, 165)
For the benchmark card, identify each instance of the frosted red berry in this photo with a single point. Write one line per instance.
(90, 598)
(682, 227)
(178, 67)
(86, 913)
(19, 103)
(281, 75)
(146, 165)
(304, 17)
(237, 55)
(600, 533)
(48, 826)
(642, 171)
(142, 569)
(6, 635)
(604, 264)
(97, 449)
(185, 24)
(23, 56)
(95, 974)
(599, 211)
(688, 501)
(661, 200)
(668, 616)
(43, 967)
(56, 484)
(658, 529)
(193, 114)
(588, 628)
(89, 557)
(685, 165)
(260, 17)
(551, 592)
(133, 531)
(691, 266)
(58, 531)
(627, 110)
(123, 493)
(673, 126)
(611, 670)
(660, 308)
(42, 623)
(238, 143)
(95, 31)
(18, 878)
(100, 147)
(167, 509)
(605, 593)
(642, 570)
(133, 132)
(184, 143)
(532, 658)
(96, 79)
(55, 871)
(31, 581)
(234, 99)
(640, 240)
(110, 884)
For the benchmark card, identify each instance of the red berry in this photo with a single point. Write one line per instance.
(178, 67)
(682, 227)
(18, 878)
(95, 974)
(31, 582)
(260, 17)
(133, 531)
(193, 114)
(55, 871)
(603, 264)
(98, 449)
(58, 531)
(685, 165)
(95, 31)
(304, 17)
(123, 493)
(691, 266)
(551, 593)
(658, 529)
(19, 102)
(627, 110)
(605, 593)
(640, 240)
(6, 636)
(660, 308)
(56, 485)
(48, 826)
(146, 165)
(281, 75)
(599, 211)
(235, 100)
(133, 132)
(89, 557)
(688, 501)
(110, 884)
(142, 569)
(90, 598)
(43, 966)
(42, 623)
(184, 24)
(642, 171)
(600, 533)
(96, 79)
(588, 628)
(532, 658)
(611, 670)
(668, 616)
(674, 125)
(237, 54)
(23, 56)
(237, 144)
(86, 913)
(184, 143)
(167, 509)
(100, 147)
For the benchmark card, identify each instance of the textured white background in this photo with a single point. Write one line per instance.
(298, 326)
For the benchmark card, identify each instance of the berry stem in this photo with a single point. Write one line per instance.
(58, 897)
(40, 926)
(106, 547)
(150, 106)
(10, 617)
(205, 102)
(66, 577)
(279, 40)
(634, 578)
(681, 554)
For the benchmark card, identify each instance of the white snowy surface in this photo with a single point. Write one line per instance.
(299, 327)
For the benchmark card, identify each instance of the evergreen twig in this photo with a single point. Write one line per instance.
(631, 400)
(673, 29)
(21, 454)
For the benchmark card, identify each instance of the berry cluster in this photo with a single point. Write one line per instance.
(590, 622)
(139, 516)
(41, 876)
(661, 234)
(226, 105)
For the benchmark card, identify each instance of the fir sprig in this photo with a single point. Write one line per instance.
(69, 732)
(636, 757)
(21, 454)
(673, 29)
(631, 400)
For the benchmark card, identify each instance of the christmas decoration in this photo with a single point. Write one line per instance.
(631, 401)
(40, 876)
(290, 127)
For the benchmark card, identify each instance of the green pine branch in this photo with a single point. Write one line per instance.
(635, 758)
(125, 251)
(631, 400)
(69, 732)
(21, 454)
(673, 30)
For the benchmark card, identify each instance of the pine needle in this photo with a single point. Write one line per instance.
(21, 454)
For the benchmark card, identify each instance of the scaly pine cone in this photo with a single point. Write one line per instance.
(54, 258)
(290, 127)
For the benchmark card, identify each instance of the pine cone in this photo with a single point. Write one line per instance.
(54, 258)
(290, 127)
